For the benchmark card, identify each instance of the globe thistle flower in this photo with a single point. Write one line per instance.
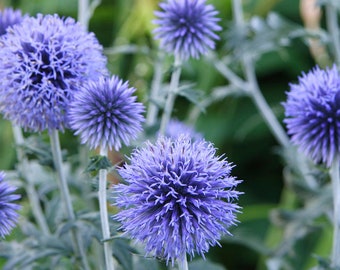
(312, 113)
(9, 17)
(105, 113)
(186, 27)
(179, 197)
(8, 209)
(43, 62)
(176, 128)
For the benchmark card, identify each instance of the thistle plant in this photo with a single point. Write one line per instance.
(179, 198)
(8, 207)
(45, 59)
(9, 17)
(313, 121)
(105, 114)
(177, 128)
(185, 29)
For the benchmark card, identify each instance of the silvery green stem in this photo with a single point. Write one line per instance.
(104, 215)
(83, 17)
(152, 112)
(65, 196)
(32, 194)
(85, 11)
(333, 28)
(172, 92)
(261, 104)
(254, 90)
(334, 173)
(182, 262)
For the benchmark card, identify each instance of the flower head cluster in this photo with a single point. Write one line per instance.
(179, 197)
(43, 62)
(105, 113)
(312, 113)
(9, 17)
(186, 27)
(8, 209)
(176, 128)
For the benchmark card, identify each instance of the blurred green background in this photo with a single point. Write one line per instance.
(232, 124)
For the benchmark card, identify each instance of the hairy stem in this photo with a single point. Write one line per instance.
(104, 215)
(32, 194)
(172, 92)
(334, 173)
(66, 197)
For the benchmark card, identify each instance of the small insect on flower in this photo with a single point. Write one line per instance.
(105, 113)
(179, 197)
(8, 209)
(186, 27)
(43, 62)
(312, 113)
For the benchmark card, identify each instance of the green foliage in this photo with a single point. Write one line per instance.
(285, 221)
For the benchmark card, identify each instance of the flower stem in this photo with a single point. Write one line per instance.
(152, 112)
(334, 173)
(85, 11)
(182, 262)
(32, 194)
(169, 103)
(254, 90)
(104, 216)
(333, 28)
(65, 196)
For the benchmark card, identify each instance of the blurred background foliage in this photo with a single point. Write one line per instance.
(233, 124)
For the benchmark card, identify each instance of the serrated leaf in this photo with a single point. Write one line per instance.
(142, 263)
(324, 263)
(193, 95)
(123, 252)
(263, 35)
(97, 163)
(36, 148)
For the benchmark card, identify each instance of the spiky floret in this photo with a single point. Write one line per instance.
(178, 198)
(43, 62)
(186, 27)
(9, 17)
(312, 112)
(8, 209)
(105, 113)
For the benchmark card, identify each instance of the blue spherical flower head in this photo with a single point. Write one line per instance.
(105, 113)
(186, 27)
(179, 197)
(312, 113)
(9, 17)
(43, 62)
(8, 209)
(176, 128)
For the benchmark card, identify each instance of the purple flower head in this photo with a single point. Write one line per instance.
(186, 27)
(178, 198)
(9, 17)
(312, 113)
(176, 128)
(105, 113)
(8, 209)
(43, 62)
